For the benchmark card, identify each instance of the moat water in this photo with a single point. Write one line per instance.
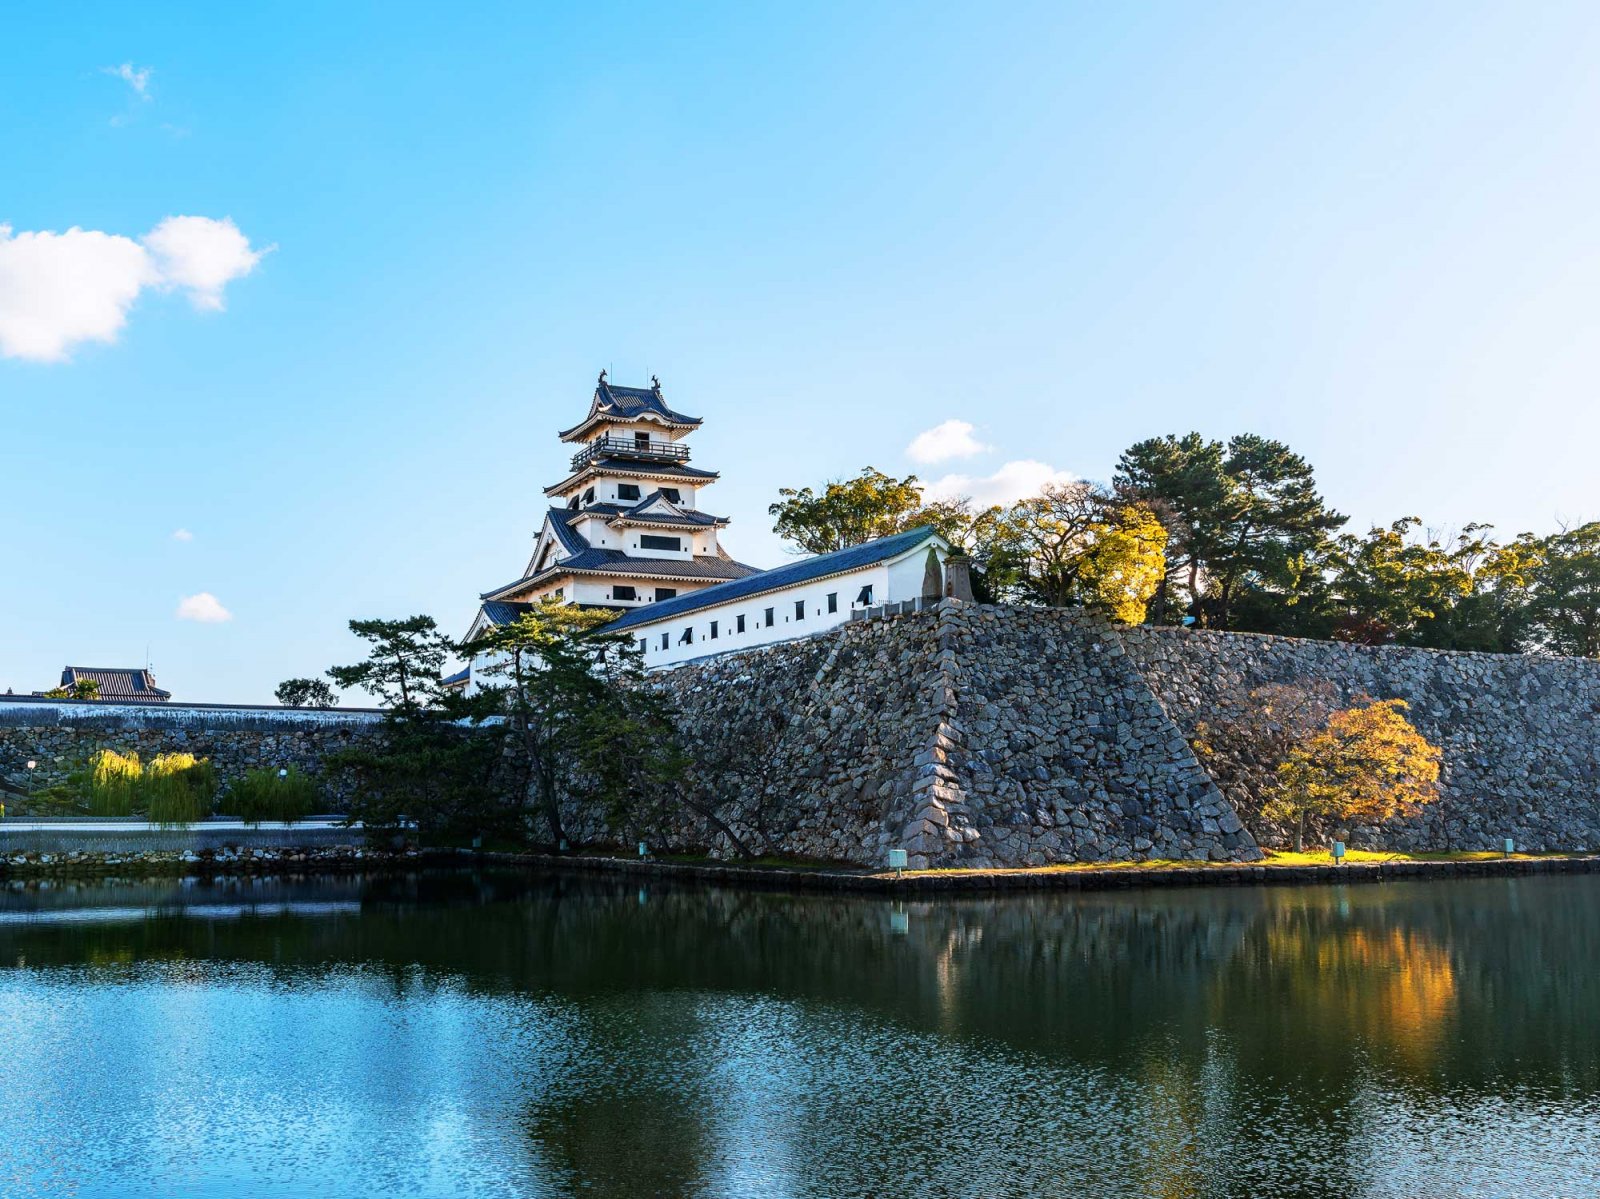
(507, 1035)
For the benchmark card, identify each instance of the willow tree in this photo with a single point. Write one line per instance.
(1368, 764)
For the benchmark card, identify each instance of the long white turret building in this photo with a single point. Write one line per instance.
(626, 531)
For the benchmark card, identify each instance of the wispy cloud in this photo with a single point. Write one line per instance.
(138, 78)
(1012, 482)
(182, 535)
(204, 608)
(952, 439)
(58, 290)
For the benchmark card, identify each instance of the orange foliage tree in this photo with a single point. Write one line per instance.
(1369, 763)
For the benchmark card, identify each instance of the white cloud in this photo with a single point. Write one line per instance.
(201, 255)
(138, 78)
(182, 535)
(953, 439)
(58, 290)
(204, 607)
(1012, 482)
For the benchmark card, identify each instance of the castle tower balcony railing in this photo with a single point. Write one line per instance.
(647, 449)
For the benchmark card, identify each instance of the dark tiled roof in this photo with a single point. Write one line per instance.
(599, 561)
(622, 466)
(500, 612)
(779, 577)
(571, 540)
(117, 683)
(675, 515)
(457, 679)
(629, 403)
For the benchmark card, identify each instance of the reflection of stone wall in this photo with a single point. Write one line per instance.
(60, 735)
(1519, 733)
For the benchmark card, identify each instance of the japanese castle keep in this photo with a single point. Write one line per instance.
(627, 529)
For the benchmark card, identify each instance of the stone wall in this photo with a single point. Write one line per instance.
(59, 736)
(970, 736)
(1519, 733)
(979, 736)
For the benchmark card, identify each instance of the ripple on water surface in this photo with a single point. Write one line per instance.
(480, 1035)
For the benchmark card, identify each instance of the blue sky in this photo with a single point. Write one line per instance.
(1366, 229)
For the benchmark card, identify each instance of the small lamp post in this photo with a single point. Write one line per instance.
(644, 850)
(1338, 853)
(32, 766)
(1511, 846)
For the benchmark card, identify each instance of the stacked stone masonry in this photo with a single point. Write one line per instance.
(977, 736)
(59, 735)
(1519, 733)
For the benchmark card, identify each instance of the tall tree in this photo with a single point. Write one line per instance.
(403, 665)
(1464, 592)
(1564, 608)
(423, 766)
(1242, 519)
(1183, 480)
(306, 693)
(1076, 544)
(581, 718)
(854, 511)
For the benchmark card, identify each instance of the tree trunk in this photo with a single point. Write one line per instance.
(722, 826)
(1300, 832)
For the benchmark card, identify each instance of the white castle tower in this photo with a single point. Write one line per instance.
(626, 529)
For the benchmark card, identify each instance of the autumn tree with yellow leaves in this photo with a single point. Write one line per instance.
(1369, 763)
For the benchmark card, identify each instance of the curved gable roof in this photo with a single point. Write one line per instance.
(615, 403)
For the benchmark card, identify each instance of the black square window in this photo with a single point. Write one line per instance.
(644, 644)
(799, 609)
(666, 640)
(688, 635)
(664, 593)
(653, 541)
(771, 617)
(713, 630)
(865, 597)
(738, 623)
(672, 495)
(627, 491)
(588, 496)
(621, 592)
(833, 601)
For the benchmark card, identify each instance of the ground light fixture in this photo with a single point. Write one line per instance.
(31, 765)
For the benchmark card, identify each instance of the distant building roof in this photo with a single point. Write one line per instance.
(460, 679)
(117, 683)
(614, 403)
(805, 571)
